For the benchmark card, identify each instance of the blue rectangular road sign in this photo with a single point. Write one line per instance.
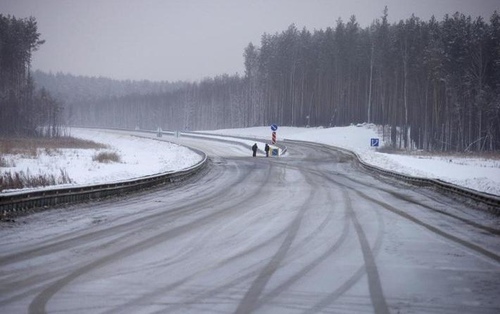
(374, 142)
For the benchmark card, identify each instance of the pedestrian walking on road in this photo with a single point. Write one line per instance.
(254, 149)
(267, 150)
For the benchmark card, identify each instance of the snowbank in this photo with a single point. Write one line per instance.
(138, 157)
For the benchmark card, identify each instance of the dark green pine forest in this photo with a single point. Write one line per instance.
(433, 85)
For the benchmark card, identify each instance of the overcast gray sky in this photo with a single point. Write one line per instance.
(191, 39)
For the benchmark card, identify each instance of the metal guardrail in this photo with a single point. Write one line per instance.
(13, 204)
(18, 203)
(489, 200)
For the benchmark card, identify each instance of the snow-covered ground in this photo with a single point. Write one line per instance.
(479, 174)
(140, 157)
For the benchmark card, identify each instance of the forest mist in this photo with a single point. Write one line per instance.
(434, 84)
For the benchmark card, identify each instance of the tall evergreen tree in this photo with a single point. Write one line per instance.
(18, 40)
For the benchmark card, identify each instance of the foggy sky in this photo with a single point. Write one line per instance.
(192, 39)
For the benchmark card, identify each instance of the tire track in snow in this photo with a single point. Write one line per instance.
(331, 151)
(200, 298)
(106, 237)
(369, 268)
(208, 296)
(59, 243)
(315, 186)
(476, 248)
(38, 304)
(252, 295)
(493, 231)
(374, 284)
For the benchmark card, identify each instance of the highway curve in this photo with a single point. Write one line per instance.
(308, 232)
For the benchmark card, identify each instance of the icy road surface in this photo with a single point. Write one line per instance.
(305, 233)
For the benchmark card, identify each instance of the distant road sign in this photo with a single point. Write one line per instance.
(274, 127)
(374, 142)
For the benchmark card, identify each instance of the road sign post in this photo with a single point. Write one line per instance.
(274, 128)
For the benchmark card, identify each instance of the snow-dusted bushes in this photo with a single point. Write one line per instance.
(36, 148)
(4, 162)
(107, 157)
(21, 180)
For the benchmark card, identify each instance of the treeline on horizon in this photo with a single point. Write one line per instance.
(25, 109)
(70, 88)
(434, 84)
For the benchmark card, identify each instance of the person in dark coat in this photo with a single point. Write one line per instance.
(267, 150)
(254, 149)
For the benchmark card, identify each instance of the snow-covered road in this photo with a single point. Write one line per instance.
(307, 233)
